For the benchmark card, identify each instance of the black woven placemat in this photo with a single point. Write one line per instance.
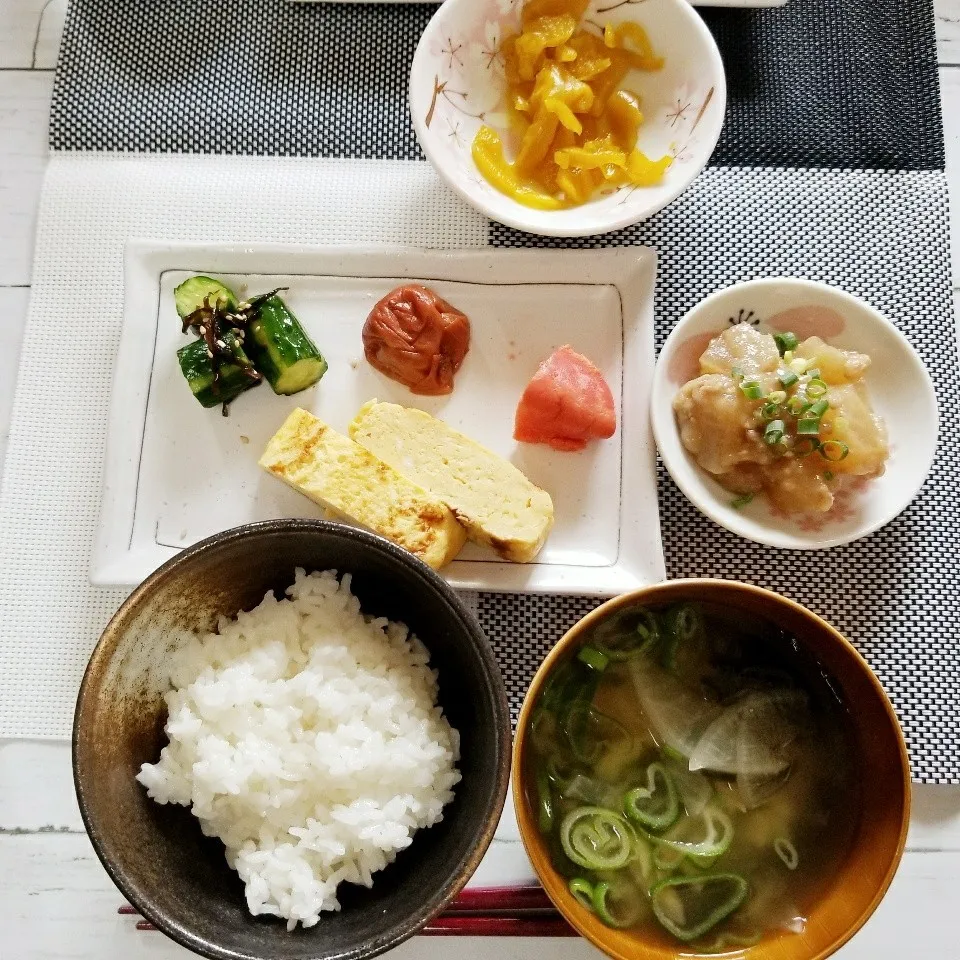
(836, 84)
(818, 83)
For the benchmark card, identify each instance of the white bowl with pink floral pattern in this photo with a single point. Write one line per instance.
(900, 390)
(457, 84)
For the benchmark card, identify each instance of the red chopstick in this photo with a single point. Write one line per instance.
(480, 912)
(447, 925)
(501, 900)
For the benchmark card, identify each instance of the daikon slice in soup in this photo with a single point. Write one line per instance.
(695, 775)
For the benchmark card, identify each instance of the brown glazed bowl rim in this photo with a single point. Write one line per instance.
(493, 684)
(594, 931)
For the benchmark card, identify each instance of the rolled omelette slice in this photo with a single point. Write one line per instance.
(351, 482)
(497, 504)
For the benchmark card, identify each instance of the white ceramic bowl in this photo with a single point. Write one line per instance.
(900, 391)
(457, 84)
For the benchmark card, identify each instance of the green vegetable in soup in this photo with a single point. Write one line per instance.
(689, 907)
(692, 772)
(655, 806)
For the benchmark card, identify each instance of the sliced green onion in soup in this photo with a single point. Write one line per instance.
(624, 639)
(593, 658)
(582, 890)
(597, 838)
(787, 852)
(818, 408)
(681, 625)
(666, 859)
(808, 426)
(544, 729)
(707, 835)
(816, 388)
(787, 378)
(689, 907)
(796, 405)
(655, 806)
(738, 503)
(591, 733)
(545, 809)
(618, 903)
(640, 866)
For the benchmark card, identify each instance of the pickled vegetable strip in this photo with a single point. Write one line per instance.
(577, 129)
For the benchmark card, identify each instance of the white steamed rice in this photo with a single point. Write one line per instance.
(307, 737)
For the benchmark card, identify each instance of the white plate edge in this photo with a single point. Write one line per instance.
(145, 260)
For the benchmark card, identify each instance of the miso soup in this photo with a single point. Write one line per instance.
(695, 775)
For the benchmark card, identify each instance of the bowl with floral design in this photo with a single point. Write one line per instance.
(458, 85)
(876, 362)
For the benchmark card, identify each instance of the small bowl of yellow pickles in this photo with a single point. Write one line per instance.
(567, 117)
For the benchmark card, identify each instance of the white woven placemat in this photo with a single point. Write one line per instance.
(50, 615)
(881, 235)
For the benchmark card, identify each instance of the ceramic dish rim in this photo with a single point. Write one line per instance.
(681, 469)
(630, 215)
(654, 594)
(492, 672)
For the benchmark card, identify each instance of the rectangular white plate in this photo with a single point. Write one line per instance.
(176, 473)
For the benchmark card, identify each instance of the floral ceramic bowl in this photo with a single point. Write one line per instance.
(900, 392)
(457, 84)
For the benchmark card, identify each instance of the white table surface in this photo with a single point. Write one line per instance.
(56, 902)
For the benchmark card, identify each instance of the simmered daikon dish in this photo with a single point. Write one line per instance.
(792, 420)
(694, 775)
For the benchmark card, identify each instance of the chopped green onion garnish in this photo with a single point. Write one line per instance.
(813, 373)
(739, 502)
(736, 373)
(785, 342)
(818, 409)
(828, 475)
(816, 388)
(770, 410)
(593, 658)
(808, 426)
(582, 890)
(805, 445)
(777, 396)
(833, 450)
(773, 434)
(788, 378)
(796, 405)
(751, 389)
